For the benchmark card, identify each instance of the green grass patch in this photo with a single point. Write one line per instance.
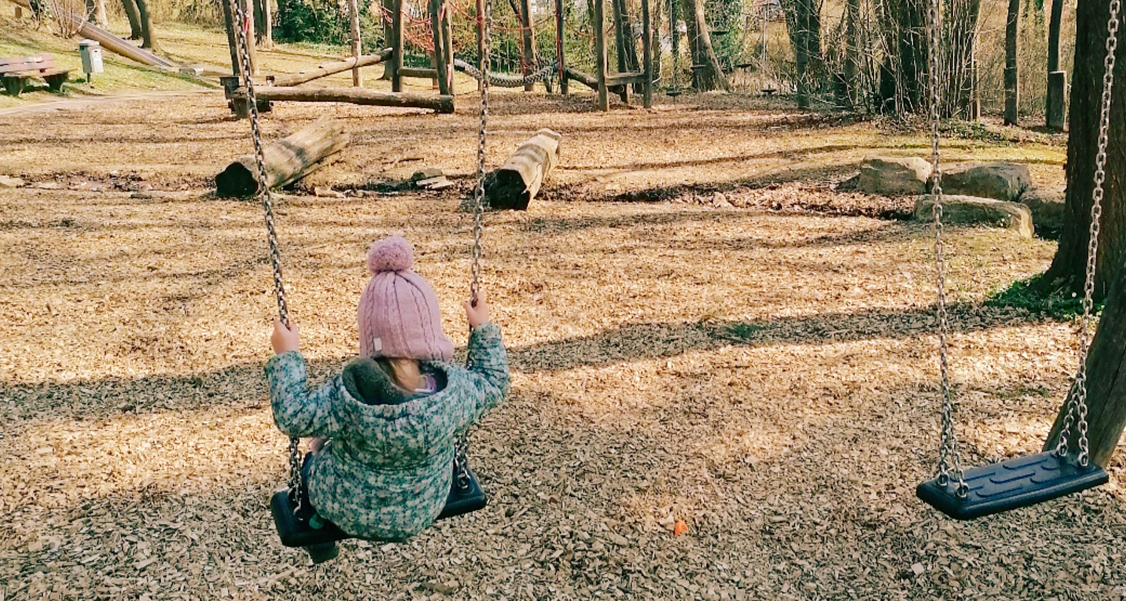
(1029, 295)
(742, 331)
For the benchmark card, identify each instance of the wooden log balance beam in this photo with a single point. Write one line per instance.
(287, 160)
(589, 80)
(440, 104)
(516, 183)
(330, 69)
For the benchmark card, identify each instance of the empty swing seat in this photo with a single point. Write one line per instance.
(295, 530)
(1011, 484)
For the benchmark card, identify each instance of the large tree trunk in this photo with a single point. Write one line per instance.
(148, 35)
(97, 10)
(232, 43)
(134, 19)
(803, 19)
(707, 72)
(1012, 78)
(357, 50)
(1106, 380)
(286, 160)
(1067, 271)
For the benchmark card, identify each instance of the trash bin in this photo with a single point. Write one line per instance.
(91, 53)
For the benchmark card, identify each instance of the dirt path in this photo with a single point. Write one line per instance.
(766, 376)
(70, 104)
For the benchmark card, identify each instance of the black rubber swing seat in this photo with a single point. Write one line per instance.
(1011, 484)
(295, 530)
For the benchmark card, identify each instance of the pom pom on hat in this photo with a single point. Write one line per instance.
(390, 254)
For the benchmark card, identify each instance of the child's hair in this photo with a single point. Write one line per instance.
(398, 313)
(406, 372)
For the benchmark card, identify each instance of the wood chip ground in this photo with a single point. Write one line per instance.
(765, 373)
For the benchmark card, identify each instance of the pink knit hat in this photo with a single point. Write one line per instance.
(398, 312)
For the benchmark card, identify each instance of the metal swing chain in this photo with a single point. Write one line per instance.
(949, 459)
(268, 206)
(1077, 402)
(462, 447)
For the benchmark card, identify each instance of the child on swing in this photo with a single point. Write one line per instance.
(386, 427)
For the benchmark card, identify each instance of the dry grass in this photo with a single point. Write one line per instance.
(765, 374)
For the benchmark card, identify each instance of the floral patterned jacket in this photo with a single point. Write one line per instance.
(387, 467)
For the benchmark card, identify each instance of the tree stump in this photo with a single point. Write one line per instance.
(286, 160)
(516, 183)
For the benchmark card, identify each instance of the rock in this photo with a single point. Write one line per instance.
(10, 182)
(968, 210)
(141, 195)
(1047, 206)
(1000, 181)
(428, 173)
(48, 186)
(432, 183)
(894, 176)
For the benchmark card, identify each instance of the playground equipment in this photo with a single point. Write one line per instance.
(111, 42)
(433, 35)
(1028, 480)
(284, 87)
(292, 512)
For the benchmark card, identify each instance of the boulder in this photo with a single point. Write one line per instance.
(894, 176)
(999, 181)
(1047, 206)
(968, 210)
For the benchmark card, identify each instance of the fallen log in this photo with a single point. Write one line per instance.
(330, 69)
(516, 183)
(286, 160)
(441, 104)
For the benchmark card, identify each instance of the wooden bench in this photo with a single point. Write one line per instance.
(17, 73)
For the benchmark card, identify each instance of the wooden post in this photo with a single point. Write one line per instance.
(354, 17)
(438, 28)
(481, 41)
(448, 38)
(600, 53)
(529, 41)
(397, 46)
(1057, 83)
(232, 41)
(559, 44)
(647, 59)
(248, 10)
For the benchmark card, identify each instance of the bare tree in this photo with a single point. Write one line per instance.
(69, 16)
(1012, 75)
(707, 74)
(1067, 271)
